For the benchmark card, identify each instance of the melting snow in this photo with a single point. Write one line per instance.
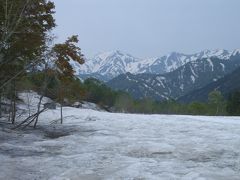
(193, 72)
(235, 52)
(182, 87)
(193, 78)
(100, 145)
(210, 63)
(223, 66)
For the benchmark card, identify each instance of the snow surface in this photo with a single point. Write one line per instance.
(99, 145)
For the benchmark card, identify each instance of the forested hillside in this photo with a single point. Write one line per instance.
(227, 85)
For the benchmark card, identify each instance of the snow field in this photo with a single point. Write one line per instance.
(101, 145)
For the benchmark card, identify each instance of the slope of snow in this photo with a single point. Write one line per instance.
(105, 63)
(98, 145)
(210, 63)
(236, 52)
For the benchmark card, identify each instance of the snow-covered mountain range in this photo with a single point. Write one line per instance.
(191, 76)
(108, 65)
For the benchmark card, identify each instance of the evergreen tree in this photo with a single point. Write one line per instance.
(233, 104)
(197, 108)
(216, 102)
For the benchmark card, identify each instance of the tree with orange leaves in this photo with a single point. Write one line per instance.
(63, 55)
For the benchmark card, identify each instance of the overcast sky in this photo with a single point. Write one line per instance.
(147, 28)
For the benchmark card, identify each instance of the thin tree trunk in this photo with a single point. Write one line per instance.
(29, 111)
(11, 105)
(0, 103)
(10, 111)
(40, 100)
(217, 110)
(39, 106)
(61, 114)
(14, 111)
(29, 120)
(14, 103)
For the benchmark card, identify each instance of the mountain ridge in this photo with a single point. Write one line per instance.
(172, 85)
(109, 65)
(226, 85)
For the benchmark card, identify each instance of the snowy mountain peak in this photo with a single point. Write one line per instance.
(112, 54)
(104, 55)
(110, 64)
(113, 63)
(173, 55)
(219, 53)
